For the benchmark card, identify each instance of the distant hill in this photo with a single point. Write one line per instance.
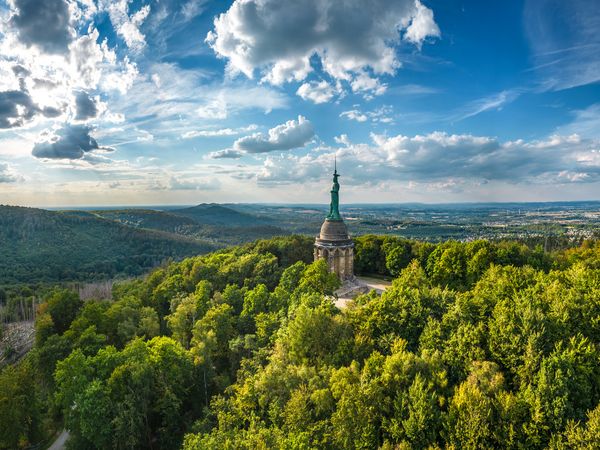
(213, 214)
(38, 246)
(212, 223)
(149, 218)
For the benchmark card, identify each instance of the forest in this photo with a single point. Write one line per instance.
(39, 246)
(475, 345)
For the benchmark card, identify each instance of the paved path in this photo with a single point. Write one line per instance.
(376, 283)
(371, 283)
(61, 440)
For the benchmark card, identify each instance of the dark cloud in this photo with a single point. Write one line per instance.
(86, 107)
(16, 108)
(51, 112)
(69, 142)
(43, 23)
(44, 83)
(20, 71)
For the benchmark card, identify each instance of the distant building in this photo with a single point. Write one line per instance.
(333, 243)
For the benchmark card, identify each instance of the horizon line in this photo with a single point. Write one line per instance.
(184, 205)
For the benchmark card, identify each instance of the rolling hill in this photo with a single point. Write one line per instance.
(47, 246)
(211, 223)
(213, 214)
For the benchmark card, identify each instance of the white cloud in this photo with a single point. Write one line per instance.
(440, 158)
(348, 37)
(188, 97)
(318, 92)
(156, 80)
(368, 85)
(422, 26)
(565, 42)
(342, 139)
(492, 102)
(412, 89)
(586, 122)
(215, 108)
(121, 80)
(43, 71)
(95, 65)
(354, 114)
(127, 26)
(179, 183)
(218, 133)
(8, 174)
(287, 136)
(381, 114)
(227, 153)
(193, 8)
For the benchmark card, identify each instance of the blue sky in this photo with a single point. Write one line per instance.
(179, 102)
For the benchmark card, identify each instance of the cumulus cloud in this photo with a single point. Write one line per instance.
(439, 158)
(68, 142)
(41, 82)
(227, 153)
(8, 174)
(86, 56)
(421, 26)
(292, 134)
(318, 92)
(351, 38)
(44, 24)
(368, 85)
(287, 136)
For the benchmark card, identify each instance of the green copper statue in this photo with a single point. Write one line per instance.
(334, 212)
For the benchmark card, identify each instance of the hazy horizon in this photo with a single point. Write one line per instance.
(299, 204)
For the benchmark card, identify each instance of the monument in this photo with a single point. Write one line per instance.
(333, 243)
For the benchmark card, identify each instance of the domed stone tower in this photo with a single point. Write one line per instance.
(333, 243)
